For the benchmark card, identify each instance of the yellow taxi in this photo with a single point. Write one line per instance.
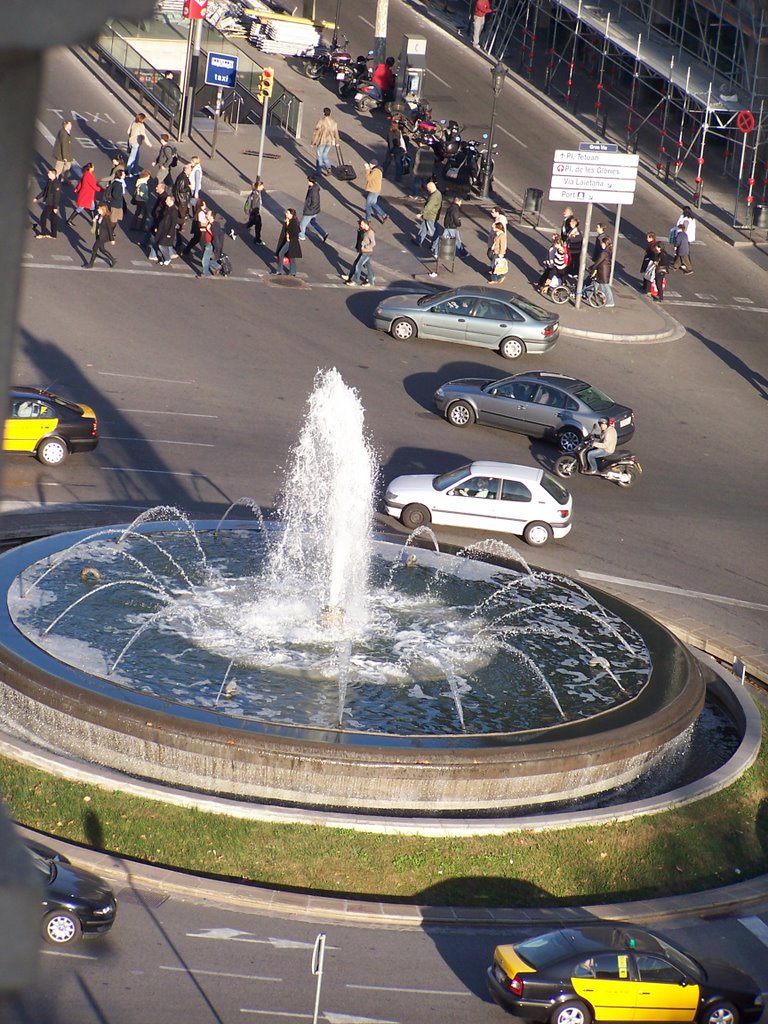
(617, 973)
(48, 426)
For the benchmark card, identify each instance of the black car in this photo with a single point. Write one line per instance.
(616, 972)
(75, 903)
(538, 404)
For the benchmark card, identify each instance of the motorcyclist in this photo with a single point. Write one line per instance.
(604, 444)
(384, 78)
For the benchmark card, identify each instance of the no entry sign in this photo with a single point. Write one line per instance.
(745, 121)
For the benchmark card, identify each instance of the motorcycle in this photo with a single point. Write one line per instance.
(350, 77)
(465, 167)
(324, 61)
(622, 467)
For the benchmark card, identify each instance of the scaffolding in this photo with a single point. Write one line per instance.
(683, 82)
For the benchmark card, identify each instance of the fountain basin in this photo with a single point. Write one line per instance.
(293, 762)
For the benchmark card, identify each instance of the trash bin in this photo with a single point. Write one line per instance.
(423, 163)
(446, 252)
(761, 217)
(532, 203)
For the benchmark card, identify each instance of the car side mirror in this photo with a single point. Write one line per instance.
(493, 391)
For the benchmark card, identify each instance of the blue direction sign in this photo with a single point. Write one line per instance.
(221, 70)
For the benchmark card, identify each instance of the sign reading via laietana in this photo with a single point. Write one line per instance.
(594, 174)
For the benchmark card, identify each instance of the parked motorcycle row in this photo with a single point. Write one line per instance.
(459, 163)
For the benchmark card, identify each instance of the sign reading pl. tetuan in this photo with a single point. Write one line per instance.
(594, 176)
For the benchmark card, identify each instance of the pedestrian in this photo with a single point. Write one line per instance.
(497, 217)
(682, 259)
(85, 195)
(140, 201)
(396, 148)
(687, 214)
(601, 268)
(137, 137)
(325, 135)
(599, 235)
(156, 205)
(497, 253)
(373, 181)
(662, 262)
(200, 219)
(50, 197)
(574, 242)
(104, 232)
(555, 265)
(169, 93)
(182, 193)
(364, 245)
(167, 158)
(115, 197)
(117, 164)
(567, 214)
(430, 212)
(311, 211)
(165, 232)
(252, 207)
(288, 244)
(648, 261)
(480, 12)
(451, 225)
(196, 176)
(62, 149)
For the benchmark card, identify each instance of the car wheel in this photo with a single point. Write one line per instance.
(537, 534)
(566, 465)
(403, 329)
(628, 477)
(512, 348)
(560, 295)
(60, 927)
(460, 414)
(569, 439)
(572, 1012)
(720, 1013)
(414, 516)
(51, 451)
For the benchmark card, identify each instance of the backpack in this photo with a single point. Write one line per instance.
(225, 265)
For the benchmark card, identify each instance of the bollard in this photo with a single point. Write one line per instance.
(532, 203)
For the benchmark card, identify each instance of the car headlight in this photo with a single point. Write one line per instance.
(103, 911)
(440, 393)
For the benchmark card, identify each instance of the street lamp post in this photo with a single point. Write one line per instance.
(335, 40)
(498, 74)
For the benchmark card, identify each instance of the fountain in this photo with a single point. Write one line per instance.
(304, 661)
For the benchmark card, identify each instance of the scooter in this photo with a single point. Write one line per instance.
(350, 78)
(325, 60)
(622, 467)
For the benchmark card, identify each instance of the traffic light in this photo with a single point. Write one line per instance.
(266, 83)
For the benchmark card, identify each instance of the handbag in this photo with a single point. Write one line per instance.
(500, 265)
(650, 272)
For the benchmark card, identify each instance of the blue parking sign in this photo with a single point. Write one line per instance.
(221, 70)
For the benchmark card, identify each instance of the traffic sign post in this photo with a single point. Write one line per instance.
(221, 71)
(318, 956)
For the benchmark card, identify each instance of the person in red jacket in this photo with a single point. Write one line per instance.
(384, 78)
(481, 10)
(85, 191)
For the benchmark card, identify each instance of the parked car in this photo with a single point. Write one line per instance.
(539, 404)
(495, 496)
(479, 315)
(75, 902)
(48, 426)
(617, 972)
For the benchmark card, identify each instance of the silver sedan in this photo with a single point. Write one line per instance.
(484, 316)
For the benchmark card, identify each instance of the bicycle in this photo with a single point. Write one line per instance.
(566, 291)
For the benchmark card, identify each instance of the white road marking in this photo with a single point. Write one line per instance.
(235, 935)
(661, 588)
(48, 136)
(73, 956)
(156, 440)
(133, 376)
(718, 305)
(167, 412)
(412, 991)
(195, 972)
(353, 1018)
(278, 1013)
(705, 296)
(63, 259)
(149, 472)
(434, 75)
(758, 928)
(742, 298)
(370, 23)
(506, 132)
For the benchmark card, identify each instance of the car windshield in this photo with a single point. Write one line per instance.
(554, 488)
(594, 398)
(425, 300)
(45, 867)
(532, 310)
(450, 479)
(545, 949)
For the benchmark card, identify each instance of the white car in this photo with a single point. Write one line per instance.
(493, 496)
